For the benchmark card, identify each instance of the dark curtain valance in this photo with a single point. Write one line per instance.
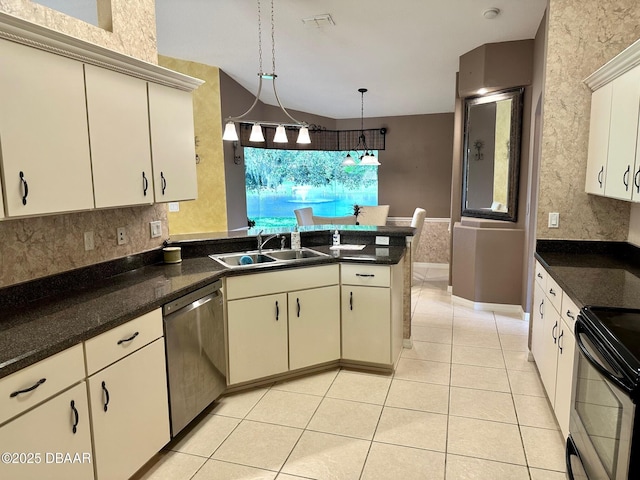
(325, 140)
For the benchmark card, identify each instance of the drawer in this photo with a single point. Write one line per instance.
(554, 293)
(258, 284)
(59, 371)
(541, 274)
(120, 341)
(366, 275)
(569, 311)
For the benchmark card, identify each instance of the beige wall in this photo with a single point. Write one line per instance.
(36, 247)
(582, 36)
(209, 212)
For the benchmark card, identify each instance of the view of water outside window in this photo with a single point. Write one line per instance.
(280, 181)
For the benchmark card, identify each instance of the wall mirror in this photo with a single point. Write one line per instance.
(491, 155)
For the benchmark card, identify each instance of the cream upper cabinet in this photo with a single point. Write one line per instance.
(598, 140)
(119, 131)
(622, 173)
(43, 132)
(172, 144)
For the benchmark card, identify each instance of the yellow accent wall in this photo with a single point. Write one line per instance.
(209, 212)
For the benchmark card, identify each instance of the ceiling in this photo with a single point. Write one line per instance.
(404, 51)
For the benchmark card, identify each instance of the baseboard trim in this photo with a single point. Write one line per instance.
(431, 265)
(494, 307)
(407, 343)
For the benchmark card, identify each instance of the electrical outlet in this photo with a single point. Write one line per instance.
(88, 241)
(121, 235)
(156, 228)
(174, 206)
(554, 220)
(382, 240)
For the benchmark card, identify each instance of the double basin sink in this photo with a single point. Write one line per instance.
(253, 257)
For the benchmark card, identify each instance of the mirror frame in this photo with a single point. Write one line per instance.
(517, 96)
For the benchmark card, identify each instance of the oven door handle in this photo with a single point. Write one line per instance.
(616, 377)
(572, 451)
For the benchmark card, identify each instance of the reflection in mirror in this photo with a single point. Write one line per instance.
(492, 155)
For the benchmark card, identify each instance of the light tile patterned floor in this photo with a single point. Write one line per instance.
(463, 404)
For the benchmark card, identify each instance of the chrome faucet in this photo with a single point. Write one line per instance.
(262, 243)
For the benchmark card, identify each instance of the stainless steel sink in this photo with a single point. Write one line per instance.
(246, 259)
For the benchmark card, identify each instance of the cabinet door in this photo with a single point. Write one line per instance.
(172, 144)
(130, 412)
(547, 365)
(623, 130)
(537, 317)
(564, 380)
(598, 140)
(257, 329)
(119, 131)
(49, 429)
(366, 324)
(314, 326)
(43, 132)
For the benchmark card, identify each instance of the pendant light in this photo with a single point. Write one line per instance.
(230, 132)
(367, 157)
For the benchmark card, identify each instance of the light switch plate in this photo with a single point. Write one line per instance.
(554, 220)
(156, 228)
(174, 206)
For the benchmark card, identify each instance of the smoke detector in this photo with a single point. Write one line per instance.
(318, 21)
(491, 13)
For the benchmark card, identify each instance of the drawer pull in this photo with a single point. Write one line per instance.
(106, 395)
(570, 315)
(553, 332)
(163, 182)
(350, 300)
(541, 309)
(25, 189)
(125, 340)
(75, 416)
(559, 338)
(552, 292)
(33, 387)
(365, 275)
(145, 184)
(277, 311)
(625, 178)
(600, 173)
(298, 302)
(539, 275)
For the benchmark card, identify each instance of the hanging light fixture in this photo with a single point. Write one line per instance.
(367, 157)
(230, 132)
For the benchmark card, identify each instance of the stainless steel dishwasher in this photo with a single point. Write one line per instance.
(196, 358)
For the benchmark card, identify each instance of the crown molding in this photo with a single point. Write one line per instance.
(618, 65)
(30, 34)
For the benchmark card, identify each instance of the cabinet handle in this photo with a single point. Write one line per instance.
(106, 395)
(559, 338)
(25, 189)
(298, 302)
(625, 178)
(124, 340)
(600, 176)
(636, 180)
(163, 182)
(277, 311)
(31, 388)
(350, 300)
(539, 275)
(553, 332)
(570, 315)
(145, 184)
(541, 309)
(365, 275)
(75, 417)
(552, 292)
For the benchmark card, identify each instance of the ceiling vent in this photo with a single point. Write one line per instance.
(318, 21)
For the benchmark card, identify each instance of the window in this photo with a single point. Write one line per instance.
(280, 181)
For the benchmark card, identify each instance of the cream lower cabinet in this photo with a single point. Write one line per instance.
(257, 331)
(553, 344)
(314, 326)
(39, 440)
(282, 320)
(371, 313)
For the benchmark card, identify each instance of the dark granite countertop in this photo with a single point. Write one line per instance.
(594, 273)
(32, 329)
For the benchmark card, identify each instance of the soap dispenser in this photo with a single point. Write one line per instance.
(295, 239)
(336, 238)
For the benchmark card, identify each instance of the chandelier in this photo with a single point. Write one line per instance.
(230, 132)
(367, 157)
